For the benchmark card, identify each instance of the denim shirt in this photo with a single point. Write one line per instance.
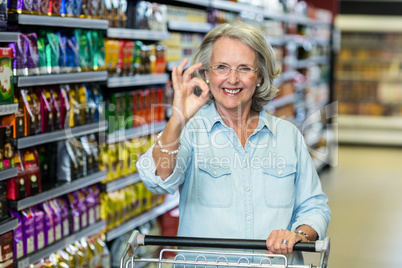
(231, 191)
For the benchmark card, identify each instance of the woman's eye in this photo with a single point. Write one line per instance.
(244, 69)
(222, 67)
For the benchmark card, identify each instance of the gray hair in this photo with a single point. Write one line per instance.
(266, 62)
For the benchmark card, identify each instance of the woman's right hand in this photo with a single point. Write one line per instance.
(185, 102)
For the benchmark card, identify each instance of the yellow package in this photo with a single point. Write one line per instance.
(104, 197)
(92, 254)
(62, 258)
(82, 253)
(120, 160)
(74, 113)
(103, 162)
(72, 251)
(112, 52)
(112, 162)
(141, 197)
(83, 102)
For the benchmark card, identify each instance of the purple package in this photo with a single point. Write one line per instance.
(39, 218)
(56, 219)
(18, 245)
(49, 229)
(20, 55)
(83, 207)
(75, 223)
(65, 225)
(95, 190)
(21, 6)
(91, 205)
(32, 60)
(36, 7)
(28, 231)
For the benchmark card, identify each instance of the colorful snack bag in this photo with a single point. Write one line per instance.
(65, 225)
(18, 241)
(30, 159)
(37, 111)
(64, 106)
(128, 58)
(83, 105)
(39, 219)
(75, 212)
(73, 55)
(83, 208)
(63, 51)
(46, 7)
(91, 104)
(16, 120)
(55, 103)
(6, 147)
(29, 113)
(96, 193)
(41, 46)
(6, 75)
(46, 110)
(75, 109)
(36, 7)
(82, 41)
(99, 102)
(56, 7)
(112, 51)
(32, 61)
(88, 154)
(137, 64)
(16, 187)
(52, 53)
(67, 164)
(90, 204)
(28, 231)
(49, 223)
(69, 6)
(20, 55)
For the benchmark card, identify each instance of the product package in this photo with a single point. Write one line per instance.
(41, 46)
(68, 166)
(39, 223)
(129, 106)
(143, 15)
(82, 40)
(49, 223)
(29, 112)
(18, 241)
(17, 187)
(28, 231)
(52, 53)
(16, 120)
(90, 204)
(30, 159)
(3, 200)
(46, 109)
(6, 248)
(128, 58)
(37, 111)
(3, 15)
(20, 6)
(112, 51)
(6, 147)
(72, 54)
(20, 55)
(63, 51)
(6, 75)
(137, 64)
(55, 103)
(91, 166)
(83, 104)
(122, 14)
(46, 7)
(78, 211)
(48, 165)
(65, 225)
(64, 106)
(95, 190)
(91, 104)
(75, 113)
(57, 219)
(32, 60)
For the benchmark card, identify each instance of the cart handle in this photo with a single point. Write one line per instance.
(149, 240)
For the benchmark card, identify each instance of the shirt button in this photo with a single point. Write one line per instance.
(248, 218)
(214, 172)
(247, 189)
(280, 172)
(245, 165)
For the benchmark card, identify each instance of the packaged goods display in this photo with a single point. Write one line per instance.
(6, 147)
(6, 250)
(17, 235)
(3, 200)
(17, 187)
(181, 45)
(6, 75)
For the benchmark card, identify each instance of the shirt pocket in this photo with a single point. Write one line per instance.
(279, 187)
(214, 186)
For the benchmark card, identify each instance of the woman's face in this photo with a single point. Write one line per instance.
(232, 91)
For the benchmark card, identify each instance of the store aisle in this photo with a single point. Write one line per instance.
(365, 193)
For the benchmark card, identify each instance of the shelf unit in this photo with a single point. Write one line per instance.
(52, 79)
(137, 80)
(122, 135)
(59, 190)
(43, 253)
(8, 173)
(59, 135)
(137, 34)
(6, 109)
(8, 225)
(121, 183)
(8, 37)
(189, 26)
(141, 219)
(54, 21)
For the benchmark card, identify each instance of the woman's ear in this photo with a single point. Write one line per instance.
(206, 74)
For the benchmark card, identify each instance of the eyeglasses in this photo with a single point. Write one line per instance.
(242, 72)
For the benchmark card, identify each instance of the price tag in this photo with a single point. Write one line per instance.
(24, 263)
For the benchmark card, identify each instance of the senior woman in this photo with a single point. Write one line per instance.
(241, 172)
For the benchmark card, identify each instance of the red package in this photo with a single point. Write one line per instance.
(64, 106)
(30, 160)
(17, 187)
(128, 57)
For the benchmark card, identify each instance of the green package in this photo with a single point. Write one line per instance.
(52, 53)
(6, 75)
(82, 39)
(42, 41)
(96, 50)
(137, 57)
(129, 109)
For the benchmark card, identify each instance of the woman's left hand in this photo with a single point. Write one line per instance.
(282, 241)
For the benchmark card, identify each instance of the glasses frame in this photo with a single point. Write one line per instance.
(238, 72)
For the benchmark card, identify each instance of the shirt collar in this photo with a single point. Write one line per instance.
(212, 118)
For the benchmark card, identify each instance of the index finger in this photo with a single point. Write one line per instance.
(190, 70)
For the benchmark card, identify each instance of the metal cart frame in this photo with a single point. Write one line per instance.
(129, 260)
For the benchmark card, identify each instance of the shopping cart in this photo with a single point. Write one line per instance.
(220, 259)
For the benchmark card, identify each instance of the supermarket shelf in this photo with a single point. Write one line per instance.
(286, 76)
(8, 225)
(136, 132)
(141, 219)
(137, 80)
(52, 79)
(25, 19)
(372, 130)
(8, 173)
(365, 77)
(189, 26)
(368, 23)
(312, 61)
(289, 18)
(121, 183)
(43, 253)
(276, 103)
(63, 134)
(172, 64)
(6, 109)
(276, 41)
(204, 3)
(58, 191)
(137, 34)
(9, 37)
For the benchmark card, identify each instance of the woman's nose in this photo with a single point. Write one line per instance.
(233, 76)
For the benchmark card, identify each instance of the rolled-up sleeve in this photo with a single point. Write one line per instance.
(147, 169)
(311, 204)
